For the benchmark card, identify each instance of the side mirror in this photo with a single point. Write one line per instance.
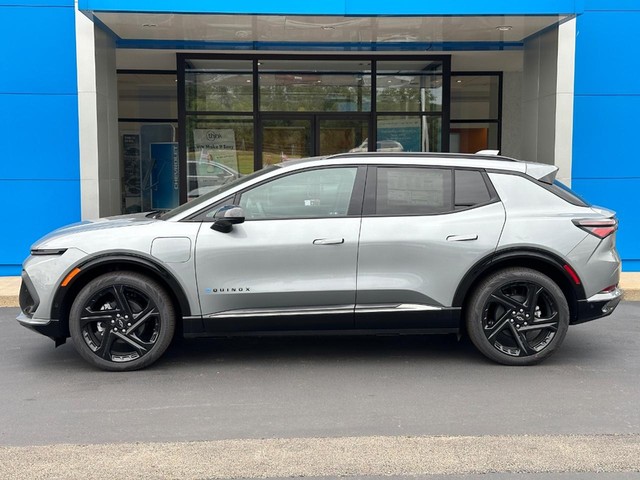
(226, 217)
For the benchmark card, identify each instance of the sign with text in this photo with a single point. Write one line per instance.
(216, 145)
(165, 176)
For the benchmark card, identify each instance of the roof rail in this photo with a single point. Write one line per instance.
(470, 156)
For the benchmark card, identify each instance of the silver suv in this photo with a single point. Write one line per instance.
(352, 243)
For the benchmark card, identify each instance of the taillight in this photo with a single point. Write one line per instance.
(599, 228)
(609, 289)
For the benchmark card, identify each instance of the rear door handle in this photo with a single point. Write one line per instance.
(328, 241)
(461, 238)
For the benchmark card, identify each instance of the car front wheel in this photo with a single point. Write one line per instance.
(517, 316)
(122, 321)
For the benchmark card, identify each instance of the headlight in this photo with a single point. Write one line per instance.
(48, 251)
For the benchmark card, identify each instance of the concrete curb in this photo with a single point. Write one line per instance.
(10, 288)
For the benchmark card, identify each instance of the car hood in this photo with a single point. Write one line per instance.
(52, 239)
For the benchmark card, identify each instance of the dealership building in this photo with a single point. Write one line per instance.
(113, 106)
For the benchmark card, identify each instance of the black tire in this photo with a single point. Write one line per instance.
(122, 321)
(517, 316)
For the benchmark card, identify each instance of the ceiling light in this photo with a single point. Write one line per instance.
(328, 27)
(248, 81)
(458, 81)
(504, 28)
(149, 25)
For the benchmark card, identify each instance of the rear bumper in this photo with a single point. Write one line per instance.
(598, 306)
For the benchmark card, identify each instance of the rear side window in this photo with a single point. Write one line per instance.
(471, 189)
(413, 191)
(565, 193)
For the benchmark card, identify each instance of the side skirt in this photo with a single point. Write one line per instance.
(322, 333)
(361, 320)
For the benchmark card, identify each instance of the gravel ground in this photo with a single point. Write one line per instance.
(346, 456)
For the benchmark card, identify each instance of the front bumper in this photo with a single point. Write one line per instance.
(49, 328)
(598, 306)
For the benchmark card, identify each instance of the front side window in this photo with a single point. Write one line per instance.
(318, 193)
(413, 191)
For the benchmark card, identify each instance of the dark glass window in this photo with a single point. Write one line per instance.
(413, 191)
(471, 189)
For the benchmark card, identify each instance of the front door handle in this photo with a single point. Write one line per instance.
(461, 238)
(328, 241)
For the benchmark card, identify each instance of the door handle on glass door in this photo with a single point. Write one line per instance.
(328, 241)
(461, 238)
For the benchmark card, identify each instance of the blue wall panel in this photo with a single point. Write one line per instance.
(39, 206)
(607, 53)
(38, 50)
(607, 96)
(605, 136)
(43, 140)
(340, 7)
(38, 3)
(39, 153)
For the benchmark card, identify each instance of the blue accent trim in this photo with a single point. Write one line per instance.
(341, 7)
(321, 46)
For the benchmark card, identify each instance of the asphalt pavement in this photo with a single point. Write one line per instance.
(325, 407)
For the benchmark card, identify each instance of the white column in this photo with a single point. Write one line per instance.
(98, 120)
(564, 100)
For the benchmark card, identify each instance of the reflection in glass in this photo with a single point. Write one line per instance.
(219, 92)
(314, 92)
(410, 133)
(475, 97)
(285, 140)
(409, 93)
(339, 136)
(219, 150)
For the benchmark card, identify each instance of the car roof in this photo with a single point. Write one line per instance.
(497, 162)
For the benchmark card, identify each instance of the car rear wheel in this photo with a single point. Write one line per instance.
(517, 316)
(122, 321)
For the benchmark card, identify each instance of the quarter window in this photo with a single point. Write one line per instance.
(413, 191)
(471, 189)
(318, 193)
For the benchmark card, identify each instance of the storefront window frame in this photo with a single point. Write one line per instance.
(182, 64)
(493, 121)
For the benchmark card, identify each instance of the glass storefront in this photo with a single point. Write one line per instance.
(221, 117)
(148, 118)
(475, 111)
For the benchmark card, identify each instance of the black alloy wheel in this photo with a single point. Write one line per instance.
(122, 321)
(518, 316)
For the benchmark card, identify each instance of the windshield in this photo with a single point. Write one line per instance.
(217, 191)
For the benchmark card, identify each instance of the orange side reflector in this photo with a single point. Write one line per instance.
(69, 277)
